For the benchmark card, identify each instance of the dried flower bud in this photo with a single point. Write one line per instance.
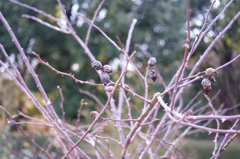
(206, 83)
(97, 65)
(94, 114)
(107, 68)
(11, 123)
(212, 79)
(152, 62)
(105, 79)
(108, 88)
(153, 75)
(210, 72)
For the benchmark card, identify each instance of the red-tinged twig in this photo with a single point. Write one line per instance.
(180, 71)
(184, 85)
(36, 10)
(37, 124)
(45, 23)
(50, 145)
(222, 146)
(228, 63)
(108, 152)
(148, 123)
(153, 136)
(214, 42)
(134, 21)
(211, 24)
(129, 109)
(80, 81)
(119, 120)
(105, 35)
(31, 140)
(63, 73)
(105, 107)
(61, 105)
(209, 48)
(108, 138)
(95, 98)
(91, 142)
(144, 121)
(32, 118)
(137, 124)
(22, 85)
(41, 89)
(200, 32)
(121, 92)
(79, 113)
(217, 121)
(119, 41)
(190, 102)
(93, 20)
(193, 125)
(31, 70)
(175, 148)
(34, 101)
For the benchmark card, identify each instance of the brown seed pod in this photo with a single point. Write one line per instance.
(108, 88)
(97, 65)
(153, 75)
(206, 83)
(105, 79)
(210, 72)
(152, 62)
(94, 114)
(107, 68)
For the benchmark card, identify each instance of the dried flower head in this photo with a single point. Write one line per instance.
(206, 83)
(210, 72)
(152, 62)
(153, 75)
(97, 65)
(107, 68)
(94, 114)
(104, 77)
(108, 88)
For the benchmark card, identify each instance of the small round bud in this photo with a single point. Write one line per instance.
(97, 65)
(105, 79)
(94, 114)
(108, 88)
(210, 72)
(152, 62)
(206, 83)
(107, 68)
(11, 123)
(153, 75)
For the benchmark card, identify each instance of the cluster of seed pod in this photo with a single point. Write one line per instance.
(208, 77)
(104, 77)
(152, 73)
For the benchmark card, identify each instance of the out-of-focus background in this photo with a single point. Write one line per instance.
(160, 30)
